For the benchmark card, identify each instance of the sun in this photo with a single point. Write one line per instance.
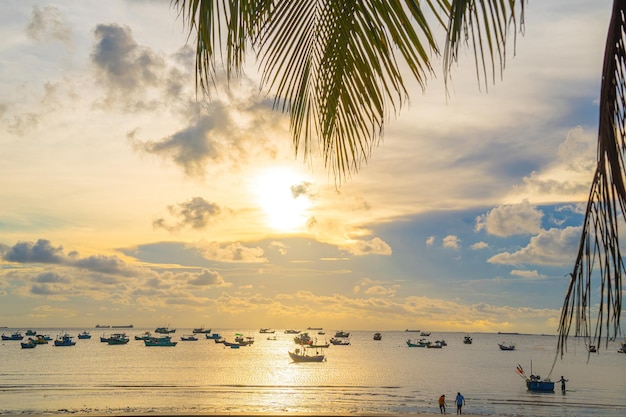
(277, 190)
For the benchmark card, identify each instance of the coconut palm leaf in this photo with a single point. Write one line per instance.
(599, 255)
(335, 66)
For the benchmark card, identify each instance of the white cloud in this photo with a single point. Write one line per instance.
(451, 241)
(556, 247)
(527, 273)
(508, 220)
(430, 241)
(479, 245)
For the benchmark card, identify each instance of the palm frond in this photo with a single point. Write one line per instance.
(599, 256)
(485, 25)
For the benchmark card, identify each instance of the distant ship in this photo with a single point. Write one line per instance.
(102, 326)
(125, 326)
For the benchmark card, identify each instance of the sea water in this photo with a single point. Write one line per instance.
(365, 377)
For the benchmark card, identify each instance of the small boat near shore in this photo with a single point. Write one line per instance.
(417, 343)
(189, 338)
(378, 336)
(84, 335)
(164, 330)
(202, 330)
(534, 383)
(467, 340)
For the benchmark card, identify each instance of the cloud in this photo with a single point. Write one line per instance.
(104, 264)
(196, 213)
(527, 273)
(479, 245)
(48, 24)
(555, 247)
(451, 241)
(127, 70)
(40, 252)
(375, 246)
(508, 220)
(206, 278)
(430, 241)
(303, 188)
(231, 252)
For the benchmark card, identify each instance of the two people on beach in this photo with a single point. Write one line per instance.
(460, 402)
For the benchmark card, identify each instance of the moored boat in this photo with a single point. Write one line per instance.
(341, 333)
(303, 355)
(378, 336)
(339, 342)
(117, 339)
(64, 340)
(467, 340)
(164, 330)
(189, 338)
(13, 336)
(267, 330)
(214, 336)
(84, 335)
(202, 330)
(159, 341)
(506, 346)
(30, 344)
(534, 382)
(417, 343)
(30, 332)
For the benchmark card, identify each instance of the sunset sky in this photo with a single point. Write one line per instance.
(127, 198)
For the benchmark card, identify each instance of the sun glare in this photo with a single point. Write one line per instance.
(285, 210)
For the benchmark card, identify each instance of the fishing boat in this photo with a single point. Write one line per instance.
(244, 340)
(41, 339)
(339, 342)
(341, 333)
(303, 339)
(592, 348)
(159, 341)
(435, 345)
(118, 339)
(84, 335)
(417, 343)
(202, 330)
(143, 336)
(102, 326)
(30, 344)
(266, 330)
(13, 336)
(378, 336)
(303, 355)
(506, 346)
(214, 336)
(189, 338)
(164, 330)
(534, 382)
(30, 332)
(64, 340)
(425, 334)
(467, 340)
(292, 331)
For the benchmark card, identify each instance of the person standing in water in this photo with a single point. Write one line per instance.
(563, 381)
(460, 402)
(442, 403)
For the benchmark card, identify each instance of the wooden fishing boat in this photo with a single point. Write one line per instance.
(303, 355)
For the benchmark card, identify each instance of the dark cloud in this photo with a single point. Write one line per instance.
(195, 146)
(103, 264)
(50, 277)
(42, 290)
(303, 188)
(207, 278)
(40, 252)
(48, 24)
(196, 213)
(134, 76)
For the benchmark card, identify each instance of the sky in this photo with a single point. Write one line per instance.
(126, 197)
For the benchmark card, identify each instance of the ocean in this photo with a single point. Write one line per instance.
(366, 377)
